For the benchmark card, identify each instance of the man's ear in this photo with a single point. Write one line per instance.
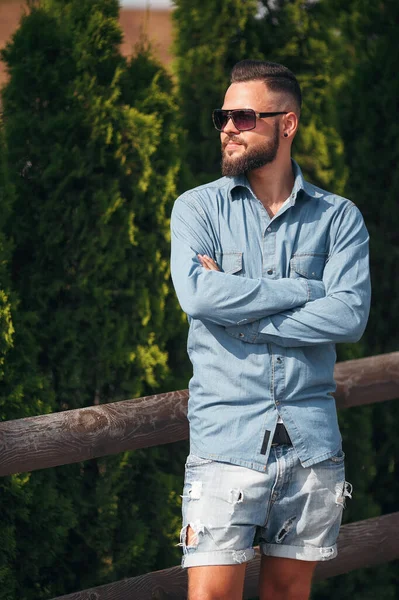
(290, 125)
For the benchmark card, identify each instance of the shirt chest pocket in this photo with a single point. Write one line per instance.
(308, 265)
(229, 262)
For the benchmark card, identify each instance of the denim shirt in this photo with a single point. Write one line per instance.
(263, 330)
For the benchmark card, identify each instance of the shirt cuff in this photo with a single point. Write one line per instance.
(246, 333)
(315, 289)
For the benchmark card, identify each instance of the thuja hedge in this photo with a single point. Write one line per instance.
(91, 156)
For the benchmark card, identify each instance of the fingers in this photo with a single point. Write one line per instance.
(208, 263)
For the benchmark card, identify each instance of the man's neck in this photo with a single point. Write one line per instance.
(272, 184)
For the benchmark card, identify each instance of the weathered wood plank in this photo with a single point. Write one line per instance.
(367, 380)
(76, 435)
(363, 544)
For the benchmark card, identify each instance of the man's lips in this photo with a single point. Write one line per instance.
(232, 144)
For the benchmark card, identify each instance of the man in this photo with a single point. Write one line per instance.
(272, 272)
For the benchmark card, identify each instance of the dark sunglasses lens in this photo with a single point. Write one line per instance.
(244, 119)
(219, 118)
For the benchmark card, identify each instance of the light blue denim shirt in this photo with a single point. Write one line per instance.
(263, 330)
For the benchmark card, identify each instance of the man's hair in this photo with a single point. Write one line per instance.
(276, 77)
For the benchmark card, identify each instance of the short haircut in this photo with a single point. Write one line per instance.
(276, 77)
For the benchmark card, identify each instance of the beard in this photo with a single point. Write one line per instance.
(251, 159)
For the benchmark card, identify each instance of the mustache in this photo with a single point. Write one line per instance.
(234, 138)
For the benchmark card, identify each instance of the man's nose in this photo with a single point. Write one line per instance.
(230, 128)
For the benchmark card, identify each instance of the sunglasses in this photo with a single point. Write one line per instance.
(243, 119)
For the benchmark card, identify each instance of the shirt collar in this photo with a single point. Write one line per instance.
(238, 182)
(299, 185)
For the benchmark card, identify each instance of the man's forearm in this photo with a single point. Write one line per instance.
(230, 300)
(341, 316)
(223, 298)
(327, 320)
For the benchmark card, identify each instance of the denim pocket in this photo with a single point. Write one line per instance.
(229, 262)
(309, 265)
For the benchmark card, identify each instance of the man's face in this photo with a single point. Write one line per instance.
(244, 151)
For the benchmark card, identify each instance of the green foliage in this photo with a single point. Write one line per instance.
(92, 158)
(293, 33)
(372, 149)
(211, 38)
(298, 34)
(367, 584)
(100, 188)
(367, 99)
(6, 199)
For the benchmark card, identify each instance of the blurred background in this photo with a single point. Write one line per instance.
(136, 16)
(105, 119)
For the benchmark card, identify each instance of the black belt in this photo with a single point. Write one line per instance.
(281, 436)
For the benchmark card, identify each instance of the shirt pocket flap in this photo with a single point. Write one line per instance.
(309, 265)
(229, 262)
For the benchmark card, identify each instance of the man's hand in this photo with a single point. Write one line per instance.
(208, 263)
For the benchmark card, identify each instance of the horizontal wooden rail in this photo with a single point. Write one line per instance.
(367, 380)
(76, 435)
(363, 544)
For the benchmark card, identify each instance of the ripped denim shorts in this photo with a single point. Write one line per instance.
(291, 511)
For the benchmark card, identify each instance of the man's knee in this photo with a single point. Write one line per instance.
(284, 590)
(283, 578)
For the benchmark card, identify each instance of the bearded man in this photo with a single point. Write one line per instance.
(272, 272)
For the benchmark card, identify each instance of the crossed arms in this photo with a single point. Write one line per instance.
(289, 311)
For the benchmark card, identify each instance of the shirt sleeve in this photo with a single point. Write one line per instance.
(219, 297)
(341, 316)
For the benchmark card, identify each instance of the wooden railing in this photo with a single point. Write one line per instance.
(76, 435)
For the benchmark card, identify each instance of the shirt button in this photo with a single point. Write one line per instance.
(269, 229)
(270, 272)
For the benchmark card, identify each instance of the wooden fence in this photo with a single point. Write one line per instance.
(76, 435)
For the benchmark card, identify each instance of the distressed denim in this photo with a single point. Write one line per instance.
(263, 331)
(293, 512)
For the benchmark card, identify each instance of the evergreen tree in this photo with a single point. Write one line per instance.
(367, 103)
(93, 154)
(210, 38)
(300, 35)
(6, 198)
(7, 545)
(295, 33)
